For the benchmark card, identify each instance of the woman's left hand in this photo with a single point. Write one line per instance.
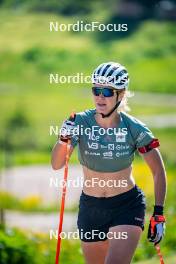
(156, 229)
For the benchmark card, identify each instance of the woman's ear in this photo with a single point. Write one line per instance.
(121, 94)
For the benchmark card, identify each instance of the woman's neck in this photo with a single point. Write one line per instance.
(111, 121)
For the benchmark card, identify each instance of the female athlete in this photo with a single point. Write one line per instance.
(112, 207)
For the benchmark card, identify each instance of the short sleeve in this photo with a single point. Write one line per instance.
(143, 135)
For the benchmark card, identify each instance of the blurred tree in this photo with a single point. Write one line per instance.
(2, 219)
(18, 135)
(145, 3)
(133, 12)
(65, 7)
(83, 7)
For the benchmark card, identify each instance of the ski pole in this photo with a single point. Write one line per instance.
(72, 117)
(159, 254)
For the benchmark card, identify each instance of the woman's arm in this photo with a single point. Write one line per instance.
(154, 160)
(58, 155)
(59, 152)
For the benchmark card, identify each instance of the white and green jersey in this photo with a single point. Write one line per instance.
(108, 149)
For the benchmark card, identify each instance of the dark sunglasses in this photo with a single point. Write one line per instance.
(106, 92)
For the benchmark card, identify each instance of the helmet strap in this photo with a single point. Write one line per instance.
(113, 109)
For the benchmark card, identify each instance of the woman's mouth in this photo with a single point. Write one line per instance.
(101, 105)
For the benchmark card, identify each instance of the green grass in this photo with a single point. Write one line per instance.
(43, 249)
(30, 204)
(138, 109)
(169, 260)
(30, 51)
(167, 137)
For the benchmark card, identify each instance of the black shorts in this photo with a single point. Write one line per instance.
(97, 214)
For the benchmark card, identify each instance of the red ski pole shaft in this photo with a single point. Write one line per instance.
(159, 254)
(63, 199)
(62, 205)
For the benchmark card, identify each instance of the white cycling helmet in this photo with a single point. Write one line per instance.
(111, 74)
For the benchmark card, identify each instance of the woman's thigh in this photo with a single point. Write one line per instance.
(122, 250)
(95, 252)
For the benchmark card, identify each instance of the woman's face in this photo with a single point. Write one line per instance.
(105, 104)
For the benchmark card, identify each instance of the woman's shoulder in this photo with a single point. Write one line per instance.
(86, 112)
(85, 115)
(132, 120)
(140, 132)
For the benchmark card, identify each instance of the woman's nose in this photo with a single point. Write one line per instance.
(101, 95)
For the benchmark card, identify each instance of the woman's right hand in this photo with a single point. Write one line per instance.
(67, 130)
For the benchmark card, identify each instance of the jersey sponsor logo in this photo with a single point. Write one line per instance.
(91, 153)
(122, 147)
(93, 137)
(120, 137)
(118, 154)
(107, 154)
(93, 145)
(111, 146)
(141, 136)
(103, 146)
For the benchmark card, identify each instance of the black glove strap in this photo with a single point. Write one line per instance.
(158, 210)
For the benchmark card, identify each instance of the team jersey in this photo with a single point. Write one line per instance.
(108, 149)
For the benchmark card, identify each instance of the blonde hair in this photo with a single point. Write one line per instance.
(124, 103)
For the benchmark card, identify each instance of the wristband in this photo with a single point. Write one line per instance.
(158, 210)
(63, 139)
(63, 143)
